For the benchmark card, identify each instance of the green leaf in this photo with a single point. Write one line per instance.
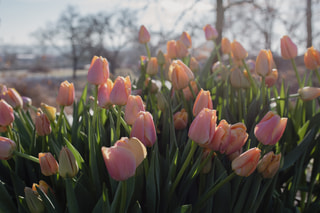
(72, 202)
(6, 203)
(75, 152)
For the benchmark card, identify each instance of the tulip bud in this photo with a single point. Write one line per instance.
(225, 46)
(180, 75)
(186, 39)
(172, 49)
(48, 164)
(312, 59)
(264, 63)
(238, 137)
(120, 91)
(238, 52)
(152, 67)
(144, 129)
(27, 102)
(160, 58)
(161, 102)
(309, 93)
(203, 100)
(210, 32)
(42, 185)
(34, 201)
(187, 92)
(104, 91)
(203, 127)
(66, 94)
(289, 49)
(7, 147)
(221, 138)
(98, 72)
(6, 114)
(180, 119)
(42, 124)
(68, 166)
(246, 163)
(271, 78)
(50, 111)
(181, 49)
(12, 97)
(133, 107)
(194, 65)
(270, 129)
(269, 165)
(238, 79)
(144, 36)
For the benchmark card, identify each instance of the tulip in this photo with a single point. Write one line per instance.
(222, 70)
(288, 49)
(7, 147)
(153, 87)
(98, 71)
(42, 185)
(42, 123)
(187, 92)
(203, 127)
(68, 166)
(133, 107)
(104, 91)
(309, 93)
(12, 97)
(120, 91)
(6, 114)
(269, 165)
(312, 59)
(124, 157)
(162, 103)
(194, 65)
(238, 79)
(66, 94)
(271, 78)
(152, 67)
(207, 167)
(210, 32)
(246, 163)
(27, 102)
(180, 119)
(172, 49)
(238, 52)
(221, 137)
(225, 46)
(180, 75)
(264, 63)
(144, 129)
(238, 137)
(34, 201)
(181, 49)
(186, 39)
(50, 111)
(235, 154)
(144, 36)
(203, 100)
(160, 58)
(270, 129)
(48, 164)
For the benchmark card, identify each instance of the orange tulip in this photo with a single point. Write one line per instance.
(98, 71)
(238, 137)
(246, 163)
(43, 186)
(194, 65)
(144, 36)
(120, 91)
(172, 49)
(225, 46)
(210, 32)
(312, 59)
(180, 75)
(309, 93)
(104, 91)
(66, 94)
(180, 119)
(187, 92)
(203, 100)
(238, 52)
(48, 164)
(264, 63)
(289, 49)
(7, 147)
(152, 67)
(6, 114)
(133, 107)
(42, 124)
(181, 49)
(186, 39)
(269, 165)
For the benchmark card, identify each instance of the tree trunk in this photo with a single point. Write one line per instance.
(219, 20)
(75, 64)
(309, 23)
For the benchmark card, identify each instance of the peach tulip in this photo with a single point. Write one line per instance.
(238, 79)
(225, 46)
(120, 91)
(180, 119)
(246, 163)
(98, 71)
(238, 52)
(264, 63)
(152, 67)
(144, 36)
(312, 58)
(194, 65)
(133, 107)
(202, 101)
(187, 92)
(172, 49)
(238, 137)
(180, 75)
(66, 94)
(43, 186)
(181, 49)
(42, 124)
(309, 93)
(271, 78)
(104, 91)
(7, 147)
(269, 165)
(221, 137)
(48, 164)
(289, 49)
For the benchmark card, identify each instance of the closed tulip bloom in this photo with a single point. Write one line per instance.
(210, 32)
(309, 93)
(289, 49)
(264, 63)
(162, 103)
(187, 92)
(221, 138)
(98, 71)
(271, 78)
(104, 91)
(186, 39)
(144, 129)
(43, 186)
(194, 65)
(68, 166)
(180, 75)
(238, 79)
(203, 100)
(66, 94)
(50, 111)
(269, 165)
(48, 164)
(181, 49)
(246, 163)
(27, 102)
(6, 114)
(123, 158)
(133, 107)
(120, 91)
(207, 167)
(12, 97)
(312, 59)
(238, 52)
(42, 124)
(160, 58)
(180, 119)
(7, 147)
(225, 46)
(144, 36)
(172, 49)
(152, 67)
(238, 137)
(270, 129)
(203, 127)
(34, 201)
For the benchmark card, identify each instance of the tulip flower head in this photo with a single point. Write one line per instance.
(172, 49)
(269, 165)
(152, 67)
(7, 147)
(33, 200)
(180, 119)
(133, 107)
(289, 49)
(27, 102)
(210, 32)
(42, 186)
(144, 36)
(238, 137)
(12, 97)
(270, 129)
(194, 65)
(309, 93)
(180, 75)
(181, 49)
(6, 114)
(68, 166)
(48, 164)
(238, 52)
(264, 63)
(104, 91)
(120, 91)
(42, 123)
(312, 58)
(225, 46)
(271, 78)
(238, 78)
(66, 94)
(186, 39)
(50, 111)
(187, 92)
(246, 163)
(98, 71)
(221, 137)
(202, 101)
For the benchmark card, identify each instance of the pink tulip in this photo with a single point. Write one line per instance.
(289, 49)
(221, 138)
(120, 91)
(238, 137)
(186, 39)
(7, 147)
(6, 114)
(210, 32)
(202, 101)
(99, 71)
(42, 123)
(246, 163)
(264, 63)
(104, 94)
(48, 164)
(271, 78)
(270, 129)
(133, 107)
(12, 97)
(180, 119)
(269, 165)
(144, 36)
(66, 94)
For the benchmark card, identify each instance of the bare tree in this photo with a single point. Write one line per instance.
(309, 23)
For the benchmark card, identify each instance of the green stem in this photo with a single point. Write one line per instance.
(230, 59)
(263, 91)
(296, 72)
(240, 104)
(148, 50)
(123, 196)
(317, 74)
(183, 168)
(296, 95)
(60, 116)
(118, 122)
(95, 106)
(253, 84)
(123, 122)
(28, 157)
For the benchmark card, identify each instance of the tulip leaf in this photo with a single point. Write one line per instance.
(82, 100)
(72, 202)
(75, 152)
(50, 206)
(6, 203)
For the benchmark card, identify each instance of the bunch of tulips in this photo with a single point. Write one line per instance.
(218, 136)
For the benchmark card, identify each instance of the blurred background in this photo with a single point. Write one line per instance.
(45, 41)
